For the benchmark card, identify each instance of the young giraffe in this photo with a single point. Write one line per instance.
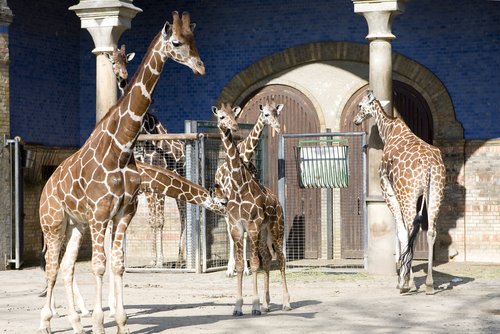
(119, 60)
(169, 154)
(410, 168)
(99, 182)
(252, 209)
(269, 113)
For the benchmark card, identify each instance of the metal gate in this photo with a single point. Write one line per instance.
(302, 205)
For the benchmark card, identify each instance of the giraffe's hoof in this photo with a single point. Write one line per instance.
(247, 272)
(237, 313)
(287, 308)
(43, 331)
(404, 290)
(429, 290)
(256, 312)
(229, 274)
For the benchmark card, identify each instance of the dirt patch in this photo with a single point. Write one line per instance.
(324, 300)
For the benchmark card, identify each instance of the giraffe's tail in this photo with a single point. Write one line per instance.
(407, 256)
(42, 266)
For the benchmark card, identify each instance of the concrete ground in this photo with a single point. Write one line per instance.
(324, 300)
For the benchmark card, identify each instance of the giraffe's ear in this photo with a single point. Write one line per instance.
(279, 107)
(167, 30)
(109, 57)
(130, 56)
(214, 110)
(237, 112)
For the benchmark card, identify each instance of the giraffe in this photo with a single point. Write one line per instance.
(119, 60)
(410, 168)
(249, 209)
(99, 183)
(171, 155)
(269, 113)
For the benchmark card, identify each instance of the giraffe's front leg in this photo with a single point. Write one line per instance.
(231, 264)
(74, 237)
(117, 263)
(98, 269)
(237, 236)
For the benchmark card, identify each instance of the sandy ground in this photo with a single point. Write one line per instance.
(323, 300)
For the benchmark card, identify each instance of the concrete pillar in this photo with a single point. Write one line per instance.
(105, 21)
(5, 171)
(381, 228)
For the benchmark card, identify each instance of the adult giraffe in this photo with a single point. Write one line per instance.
(99, 182)
(410, 168)
(251, 208)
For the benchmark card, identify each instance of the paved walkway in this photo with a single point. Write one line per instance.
(325, 300)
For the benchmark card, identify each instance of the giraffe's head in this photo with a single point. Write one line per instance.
(119, 60)
(270, 113)
(366, 108)
(226, 117)
(179, 42)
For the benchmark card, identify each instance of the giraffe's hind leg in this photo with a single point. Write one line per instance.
(435, 196)
(404, 284)
(54, 229)
(278, 232)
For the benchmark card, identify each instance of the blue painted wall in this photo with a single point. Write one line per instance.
(44, 72)
(458, 40)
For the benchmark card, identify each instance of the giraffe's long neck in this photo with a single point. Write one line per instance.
(123, 121)
(247, 147)
(385, 123)
(233, 160)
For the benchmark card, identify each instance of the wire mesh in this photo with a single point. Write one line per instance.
(158, 235)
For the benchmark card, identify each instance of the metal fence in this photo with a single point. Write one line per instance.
(170, 235)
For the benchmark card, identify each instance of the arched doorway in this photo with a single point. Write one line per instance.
(303, 206)
(414, 110)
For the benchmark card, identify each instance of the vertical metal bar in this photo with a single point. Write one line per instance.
(281, 183)
(365, 191)
(18, 214)
(203, 225)
(329, 218)
(190, 216)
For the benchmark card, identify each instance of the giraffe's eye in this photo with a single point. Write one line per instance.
(176, 44)
(222, 117)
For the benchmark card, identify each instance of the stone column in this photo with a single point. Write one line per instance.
(5, 195)
(105, 21)
(381, 228)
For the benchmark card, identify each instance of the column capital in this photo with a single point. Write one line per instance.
(6, 15)
(105, 20)
(379, 15)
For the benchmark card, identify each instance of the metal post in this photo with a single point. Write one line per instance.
(281, 182)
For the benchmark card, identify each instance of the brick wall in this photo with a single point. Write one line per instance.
(482, 206)
(5, 196)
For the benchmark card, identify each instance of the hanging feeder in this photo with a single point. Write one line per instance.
(323, 163)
